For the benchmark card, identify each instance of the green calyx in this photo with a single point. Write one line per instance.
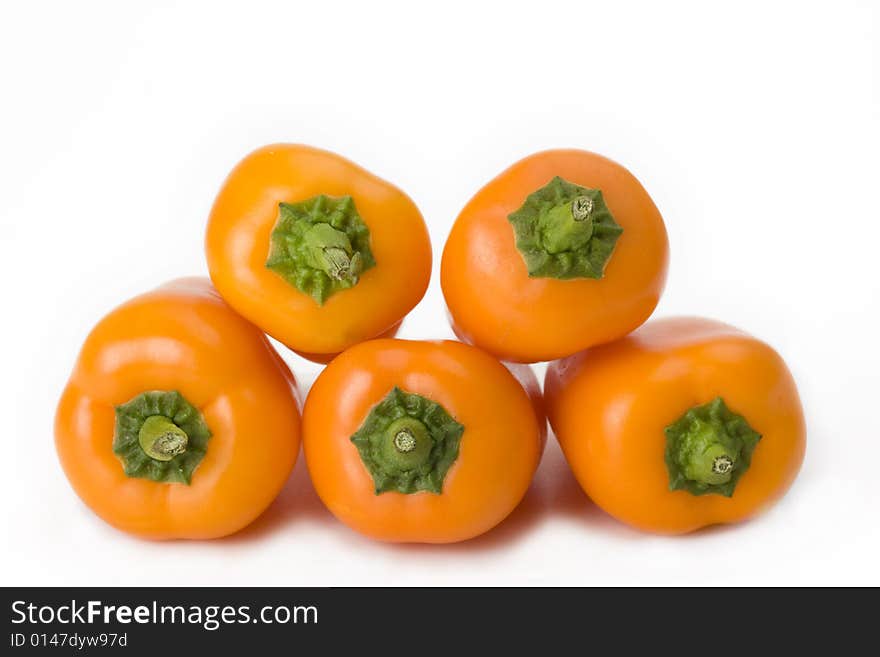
(160, 436)
(320, 246)
(708, 449)
(565, 231)
(408, 443)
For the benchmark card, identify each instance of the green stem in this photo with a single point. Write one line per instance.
(567, 226)
(706, 459)
(408, 443)
(708, 449)
(329, 250)
(161, 439)
(160, 436)
(565, 231)
(320, 246)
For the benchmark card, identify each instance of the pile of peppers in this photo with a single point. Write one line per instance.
(181, 420)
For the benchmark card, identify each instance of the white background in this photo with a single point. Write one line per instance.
(754, 127)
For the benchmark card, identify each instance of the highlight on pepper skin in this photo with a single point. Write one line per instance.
(416, 441)
(179, 419)
(315, 250)
(685, 423)
(563, 250)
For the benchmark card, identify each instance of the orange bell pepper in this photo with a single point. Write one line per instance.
(683, 424)
(562, 251)
(430, 442)
(179, 420)
(316, 251)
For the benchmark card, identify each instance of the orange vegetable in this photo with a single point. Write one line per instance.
(428, 442)
(562, 251)
(179, 420)
(316, 251)
(683, 424)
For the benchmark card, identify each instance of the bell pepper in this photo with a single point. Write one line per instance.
(562, 251)
(316, 251)
(179, 419)
(685, 423)
(430, 442)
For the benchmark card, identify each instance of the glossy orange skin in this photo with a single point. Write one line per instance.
(323, 359)
(237, 245)
(609, 406)
(525, 375)
(499, 450)
(495, 305)
(181, 336)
